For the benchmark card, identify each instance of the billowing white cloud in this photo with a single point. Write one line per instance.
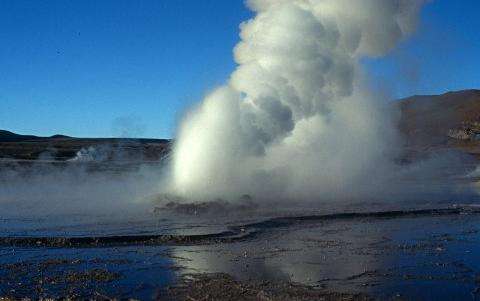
(294, 120)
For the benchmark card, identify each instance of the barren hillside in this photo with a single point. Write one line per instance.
(438, 121)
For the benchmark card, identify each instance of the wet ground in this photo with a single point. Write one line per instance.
(408, 250)
(413, 255)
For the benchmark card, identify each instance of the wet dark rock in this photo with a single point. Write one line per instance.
(245, 204)
(97, 275)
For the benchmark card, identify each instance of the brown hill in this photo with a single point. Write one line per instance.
(438, 121)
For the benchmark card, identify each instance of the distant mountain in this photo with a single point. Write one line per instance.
(6, 136)
(448, 120)
(60, 137)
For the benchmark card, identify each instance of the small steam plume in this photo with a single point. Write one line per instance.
(129, 126)
(295, 119)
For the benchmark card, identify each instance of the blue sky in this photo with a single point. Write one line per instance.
(86, 67)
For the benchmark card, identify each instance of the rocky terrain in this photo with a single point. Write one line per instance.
(450, 120)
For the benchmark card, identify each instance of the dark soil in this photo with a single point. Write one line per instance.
(224, 287)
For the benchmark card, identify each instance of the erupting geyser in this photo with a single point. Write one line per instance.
(295, 120)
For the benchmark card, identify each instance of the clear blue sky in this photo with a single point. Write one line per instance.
(87, 67)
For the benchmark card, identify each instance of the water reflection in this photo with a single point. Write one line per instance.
(422, 257)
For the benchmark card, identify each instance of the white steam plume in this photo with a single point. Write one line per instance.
(294, 121)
